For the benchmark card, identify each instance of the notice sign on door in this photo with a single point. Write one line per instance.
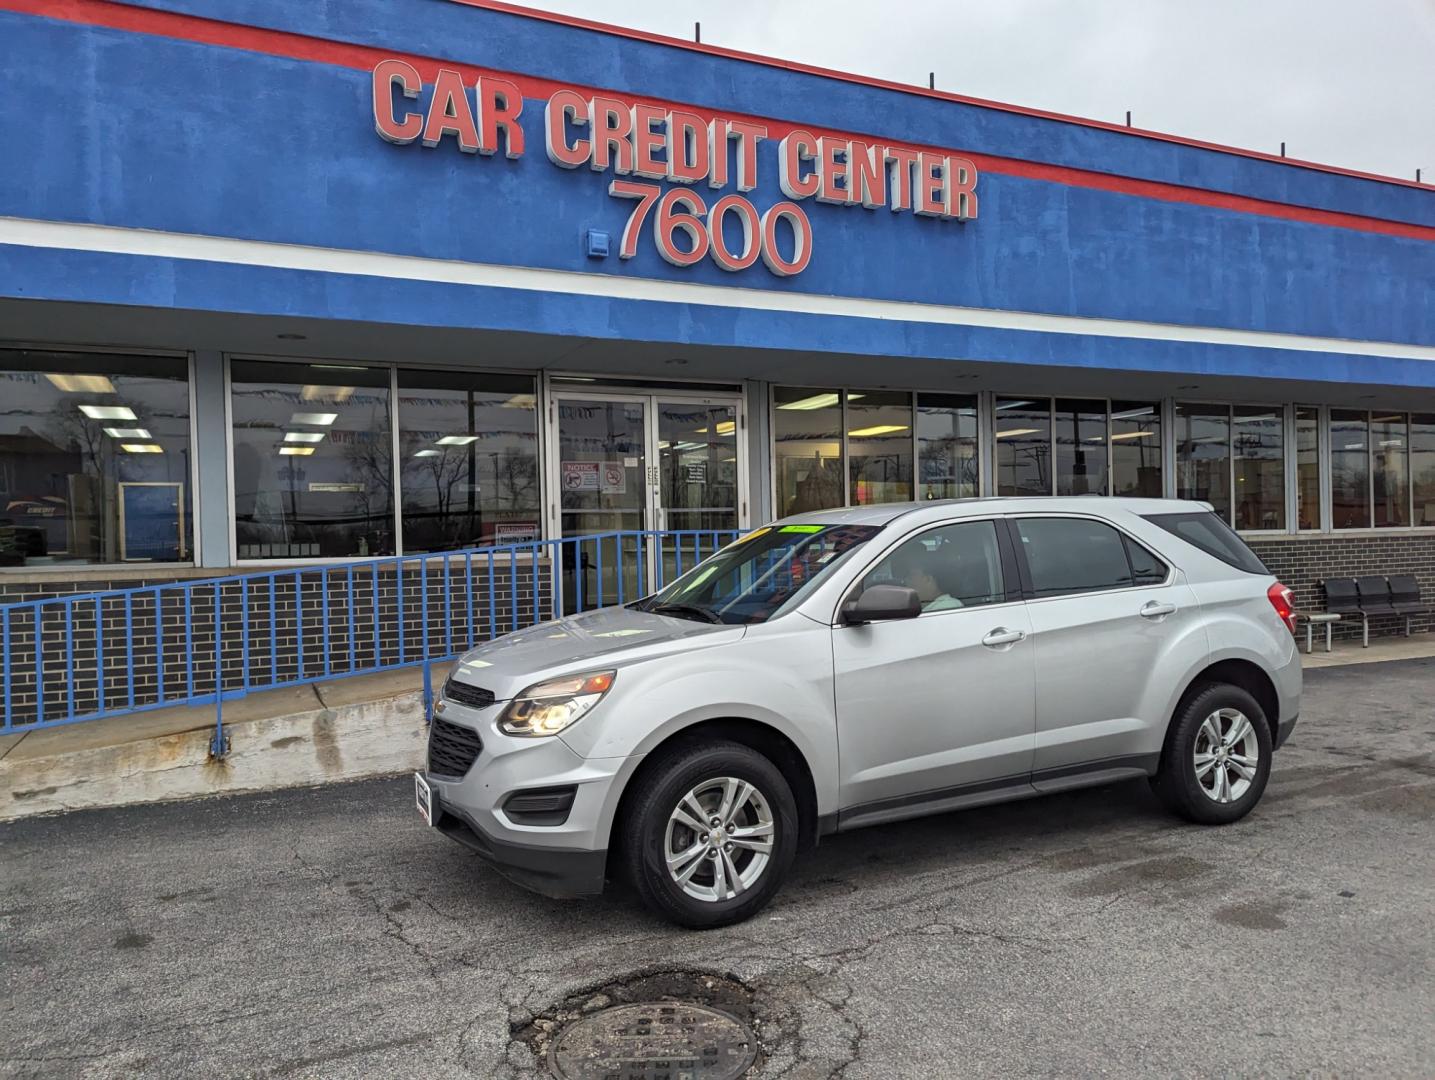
(580, 475)
(615, 478)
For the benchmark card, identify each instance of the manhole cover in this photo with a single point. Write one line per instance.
(659, 1040)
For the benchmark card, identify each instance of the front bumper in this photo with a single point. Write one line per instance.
(1283, 731)
(562, 873)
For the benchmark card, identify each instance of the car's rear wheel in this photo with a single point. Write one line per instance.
(710, 833)
(1217, 757)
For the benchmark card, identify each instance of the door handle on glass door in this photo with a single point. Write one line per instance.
(1157, 610)
(1002, 636)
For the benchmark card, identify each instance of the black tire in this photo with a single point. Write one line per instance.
(656, 794)
(1176, 782)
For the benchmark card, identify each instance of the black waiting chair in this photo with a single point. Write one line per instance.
(1405, 598)
(1342, 598)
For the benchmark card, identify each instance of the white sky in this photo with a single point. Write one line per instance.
(1343, 82)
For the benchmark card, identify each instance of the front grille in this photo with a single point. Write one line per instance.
(473, 696)
(452, 749)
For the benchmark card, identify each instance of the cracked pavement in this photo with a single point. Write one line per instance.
(326, 932)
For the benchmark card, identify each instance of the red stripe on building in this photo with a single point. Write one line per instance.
(116, 16)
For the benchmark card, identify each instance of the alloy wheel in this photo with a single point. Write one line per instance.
(1226, 755)
(719, 839)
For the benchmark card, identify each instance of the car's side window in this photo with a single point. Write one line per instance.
(1074, 555)
(1145, 567)
(951, 566)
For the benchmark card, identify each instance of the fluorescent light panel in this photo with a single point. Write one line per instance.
(339, 394)
(428, 453)
(1133, 435)
(141, 448)
(877, 429)
(1014, 432)
(108, 412)
(318, 419)
(456, 440)
(127, 433)
(296, 451)
(81, 384)
(304, 436)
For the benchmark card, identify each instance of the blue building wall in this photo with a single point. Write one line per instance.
(151, 131)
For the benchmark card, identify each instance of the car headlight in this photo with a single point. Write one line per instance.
(549, 707)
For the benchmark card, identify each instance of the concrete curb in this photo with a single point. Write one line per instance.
(346, 741)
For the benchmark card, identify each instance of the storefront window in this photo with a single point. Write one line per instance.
(1307, 465)
(1349, 469)
(1422, 467)
(807, 448)
(94, 458)
(1081, 450)
(879, 446)
(1203, 455)
(1023, 446)
(468, 448)
(1136, 449)
(1258, 449)
(313, 460)
(1390, 447)
(947, 446)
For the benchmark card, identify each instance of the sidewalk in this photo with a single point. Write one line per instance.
(340, 730)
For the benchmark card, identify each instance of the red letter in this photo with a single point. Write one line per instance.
(747, 136)
(797, 147)
(901, 169)
(449, 113)
(931, 185)
(646, 141)
(612, 123)
(866, 177)
(687, 148)
(832, 158)
(564, 107)
(962, 195)
(499, 106)
(388, 74)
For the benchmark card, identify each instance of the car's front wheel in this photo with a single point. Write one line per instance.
(1217, 757)
(710, 833)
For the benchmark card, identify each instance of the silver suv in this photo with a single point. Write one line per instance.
(852, 667)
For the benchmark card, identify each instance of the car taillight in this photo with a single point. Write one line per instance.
(1280, 598)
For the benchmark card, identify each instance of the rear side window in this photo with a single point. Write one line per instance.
(1072, 555)
(1208, 532)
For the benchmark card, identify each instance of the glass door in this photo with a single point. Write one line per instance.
(698, 479)
(601, 485)
(653, 463)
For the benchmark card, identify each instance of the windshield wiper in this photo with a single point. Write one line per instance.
(686, 611)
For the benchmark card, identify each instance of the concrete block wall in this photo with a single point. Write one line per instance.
(1303, 562)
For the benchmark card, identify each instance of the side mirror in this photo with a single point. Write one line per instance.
(880, 603)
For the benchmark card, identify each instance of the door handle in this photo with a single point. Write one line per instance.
(1155, 609)
(995, 639)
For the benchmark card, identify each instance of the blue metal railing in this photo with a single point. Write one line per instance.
(86, 656)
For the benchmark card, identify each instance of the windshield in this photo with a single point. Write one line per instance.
(754, 578)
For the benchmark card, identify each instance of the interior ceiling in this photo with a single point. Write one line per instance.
(48, 322)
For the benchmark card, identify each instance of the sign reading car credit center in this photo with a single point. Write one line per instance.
(653, 142)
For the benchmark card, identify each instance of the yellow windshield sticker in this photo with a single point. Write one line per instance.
(753, 535)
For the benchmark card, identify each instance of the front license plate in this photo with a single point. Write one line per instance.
(423, 797)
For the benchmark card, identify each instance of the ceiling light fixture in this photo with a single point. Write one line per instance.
(296, 451)
(816, 401)
(1131, 435)
(456, 440)
(338, 394)
(428, 453)
(1017, 431)
(304, 436)
(141, 448)
(81, 384)
(108, 412)
(877, 429)
(127, 433)
(319, 419)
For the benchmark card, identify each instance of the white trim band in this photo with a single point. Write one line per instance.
(116, 240)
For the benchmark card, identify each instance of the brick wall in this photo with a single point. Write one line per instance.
(1303, 562)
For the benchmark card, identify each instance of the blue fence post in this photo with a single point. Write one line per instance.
(219, 745)
(428, 691)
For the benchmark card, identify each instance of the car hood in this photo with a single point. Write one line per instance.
(608, 637)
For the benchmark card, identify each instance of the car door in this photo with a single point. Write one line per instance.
(1111, 621)
(936, 710)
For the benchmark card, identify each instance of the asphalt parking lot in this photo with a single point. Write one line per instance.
(326, 933)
